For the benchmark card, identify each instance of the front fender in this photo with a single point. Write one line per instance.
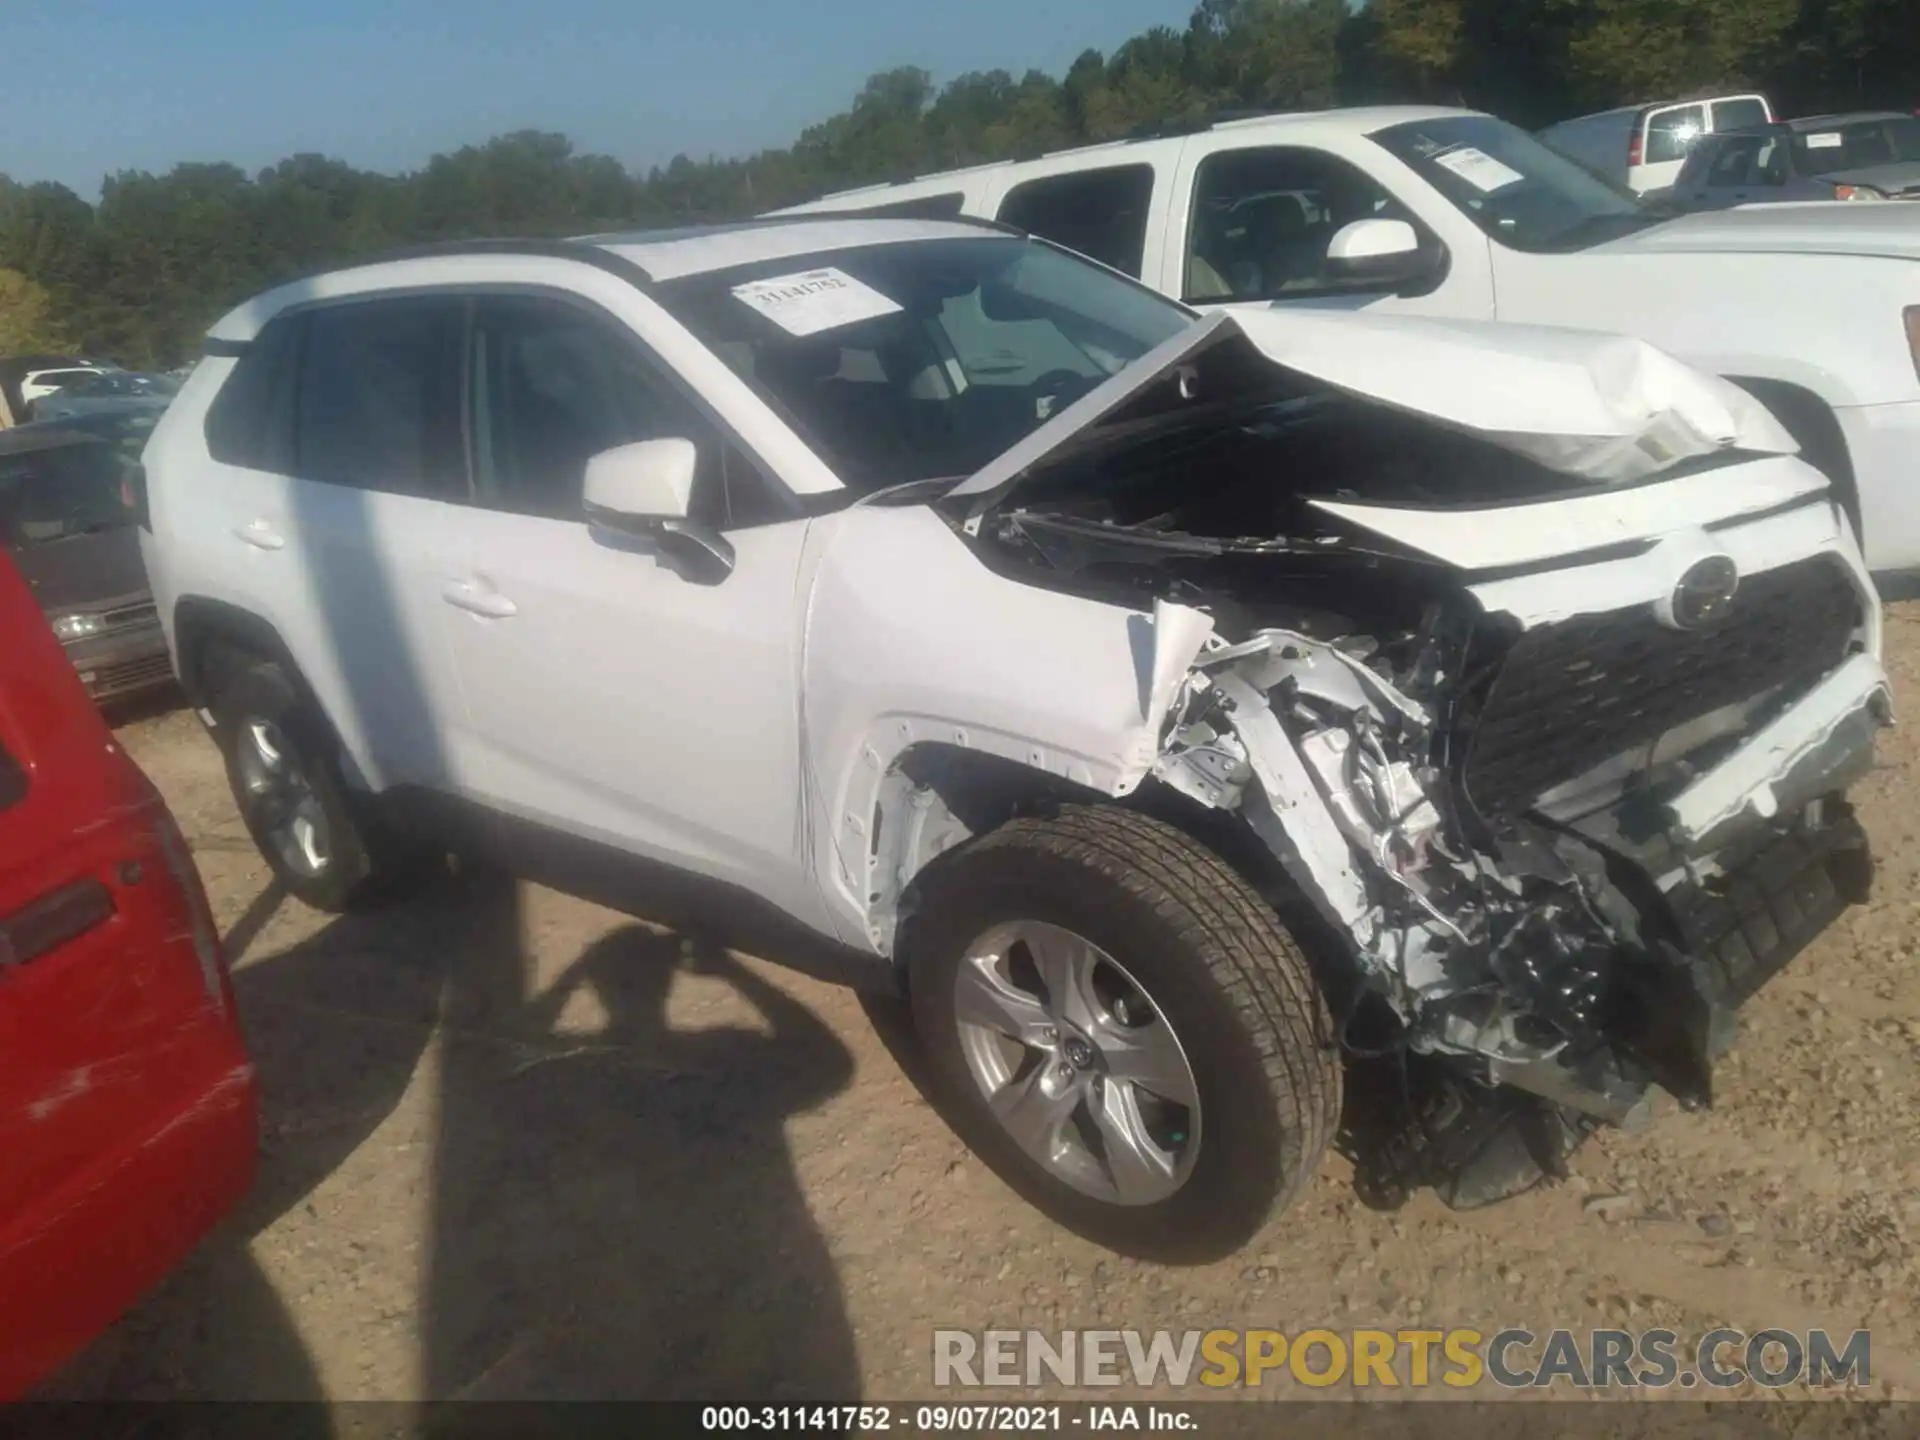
(911, 640)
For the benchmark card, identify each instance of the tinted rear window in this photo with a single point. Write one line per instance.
(250, 421)
(1100, 213)
(379, 396)
(1738, 114)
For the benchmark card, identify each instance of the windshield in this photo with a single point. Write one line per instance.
(926, 359)
(1858, 144)
(1519, 191)
(47, 496)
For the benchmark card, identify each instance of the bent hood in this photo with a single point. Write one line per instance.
(1604, 409)
(1813, 227)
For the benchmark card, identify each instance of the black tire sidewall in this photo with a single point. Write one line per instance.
(264, 691)
(1243, 1147)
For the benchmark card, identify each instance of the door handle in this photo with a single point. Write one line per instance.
(467, 596)
(262, 536)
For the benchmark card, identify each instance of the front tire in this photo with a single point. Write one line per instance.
(324, 843)
(1120, 1027)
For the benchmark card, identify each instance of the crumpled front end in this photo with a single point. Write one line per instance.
(1567, 826)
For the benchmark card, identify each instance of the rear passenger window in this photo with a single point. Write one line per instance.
(1100, 213)
(1738, 114)
(379, 397)
(250, 422)
(1671, 133)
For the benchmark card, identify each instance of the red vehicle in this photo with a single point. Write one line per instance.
(127, 1103)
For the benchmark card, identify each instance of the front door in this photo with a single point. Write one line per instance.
(1251, 225)
(611, 695)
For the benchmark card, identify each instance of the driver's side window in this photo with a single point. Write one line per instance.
(1263, 220)
(551, 386)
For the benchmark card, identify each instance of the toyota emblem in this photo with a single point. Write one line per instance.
(1703, 595)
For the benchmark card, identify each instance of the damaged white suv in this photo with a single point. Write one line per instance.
(1195, 715)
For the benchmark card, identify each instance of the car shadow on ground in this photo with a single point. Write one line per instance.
(611, 1214)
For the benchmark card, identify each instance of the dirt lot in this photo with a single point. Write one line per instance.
(517, 1146)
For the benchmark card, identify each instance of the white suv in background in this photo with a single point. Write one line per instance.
(1450, 213)
(1178, 710)
(1644, 147)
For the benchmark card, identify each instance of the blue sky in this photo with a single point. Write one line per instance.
(94, 86)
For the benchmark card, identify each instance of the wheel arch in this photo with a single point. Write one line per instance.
(936, 797)
(209, 635)
(1810, 419)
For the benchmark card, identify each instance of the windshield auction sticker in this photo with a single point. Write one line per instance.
(815, 300)
(1479, 169)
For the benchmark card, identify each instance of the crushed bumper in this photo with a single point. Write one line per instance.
(1820, 745)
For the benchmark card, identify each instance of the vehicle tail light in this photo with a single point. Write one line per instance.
(206, 937)
(1633, 149)
(1856, 192)
(1912, 316)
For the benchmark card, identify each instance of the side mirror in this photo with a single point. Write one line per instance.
(644, 491)
(1381, 252)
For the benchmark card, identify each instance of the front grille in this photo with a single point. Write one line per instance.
(1568, 697)
(145, 613)
(122, 676)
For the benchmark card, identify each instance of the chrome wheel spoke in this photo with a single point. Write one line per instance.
(1065, 963)
(1149, 1056)
(1033, 1116)
(1141, 1171)
(309, 833)
(1106, 1105)
(985, 997)
(265, 743)
(283, 809)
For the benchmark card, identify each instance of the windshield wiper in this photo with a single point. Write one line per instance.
(911, 492)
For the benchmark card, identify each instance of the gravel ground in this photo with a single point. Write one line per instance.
(519, 1146)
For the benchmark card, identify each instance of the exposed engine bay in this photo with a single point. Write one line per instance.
(1499, 809)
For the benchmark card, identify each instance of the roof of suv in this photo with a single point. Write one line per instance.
(1298, 124)
(643, 257)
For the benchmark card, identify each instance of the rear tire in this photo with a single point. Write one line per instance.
(1165, 922)
(326, 844)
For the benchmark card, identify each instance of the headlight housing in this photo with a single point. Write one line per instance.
(76, 627)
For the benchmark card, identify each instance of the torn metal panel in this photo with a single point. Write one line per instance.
(1604, 408)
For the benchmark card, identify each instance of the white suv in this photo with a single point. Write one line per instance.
(1178, 709)
(1416, 210)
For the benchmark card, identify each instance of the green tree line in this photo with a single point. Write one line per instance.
(139, 276)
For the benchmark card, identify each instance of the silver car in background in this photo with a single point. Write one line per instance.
(1873, 155)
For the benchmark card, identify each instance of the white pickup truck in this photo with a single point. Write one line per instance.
(1451, 213)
